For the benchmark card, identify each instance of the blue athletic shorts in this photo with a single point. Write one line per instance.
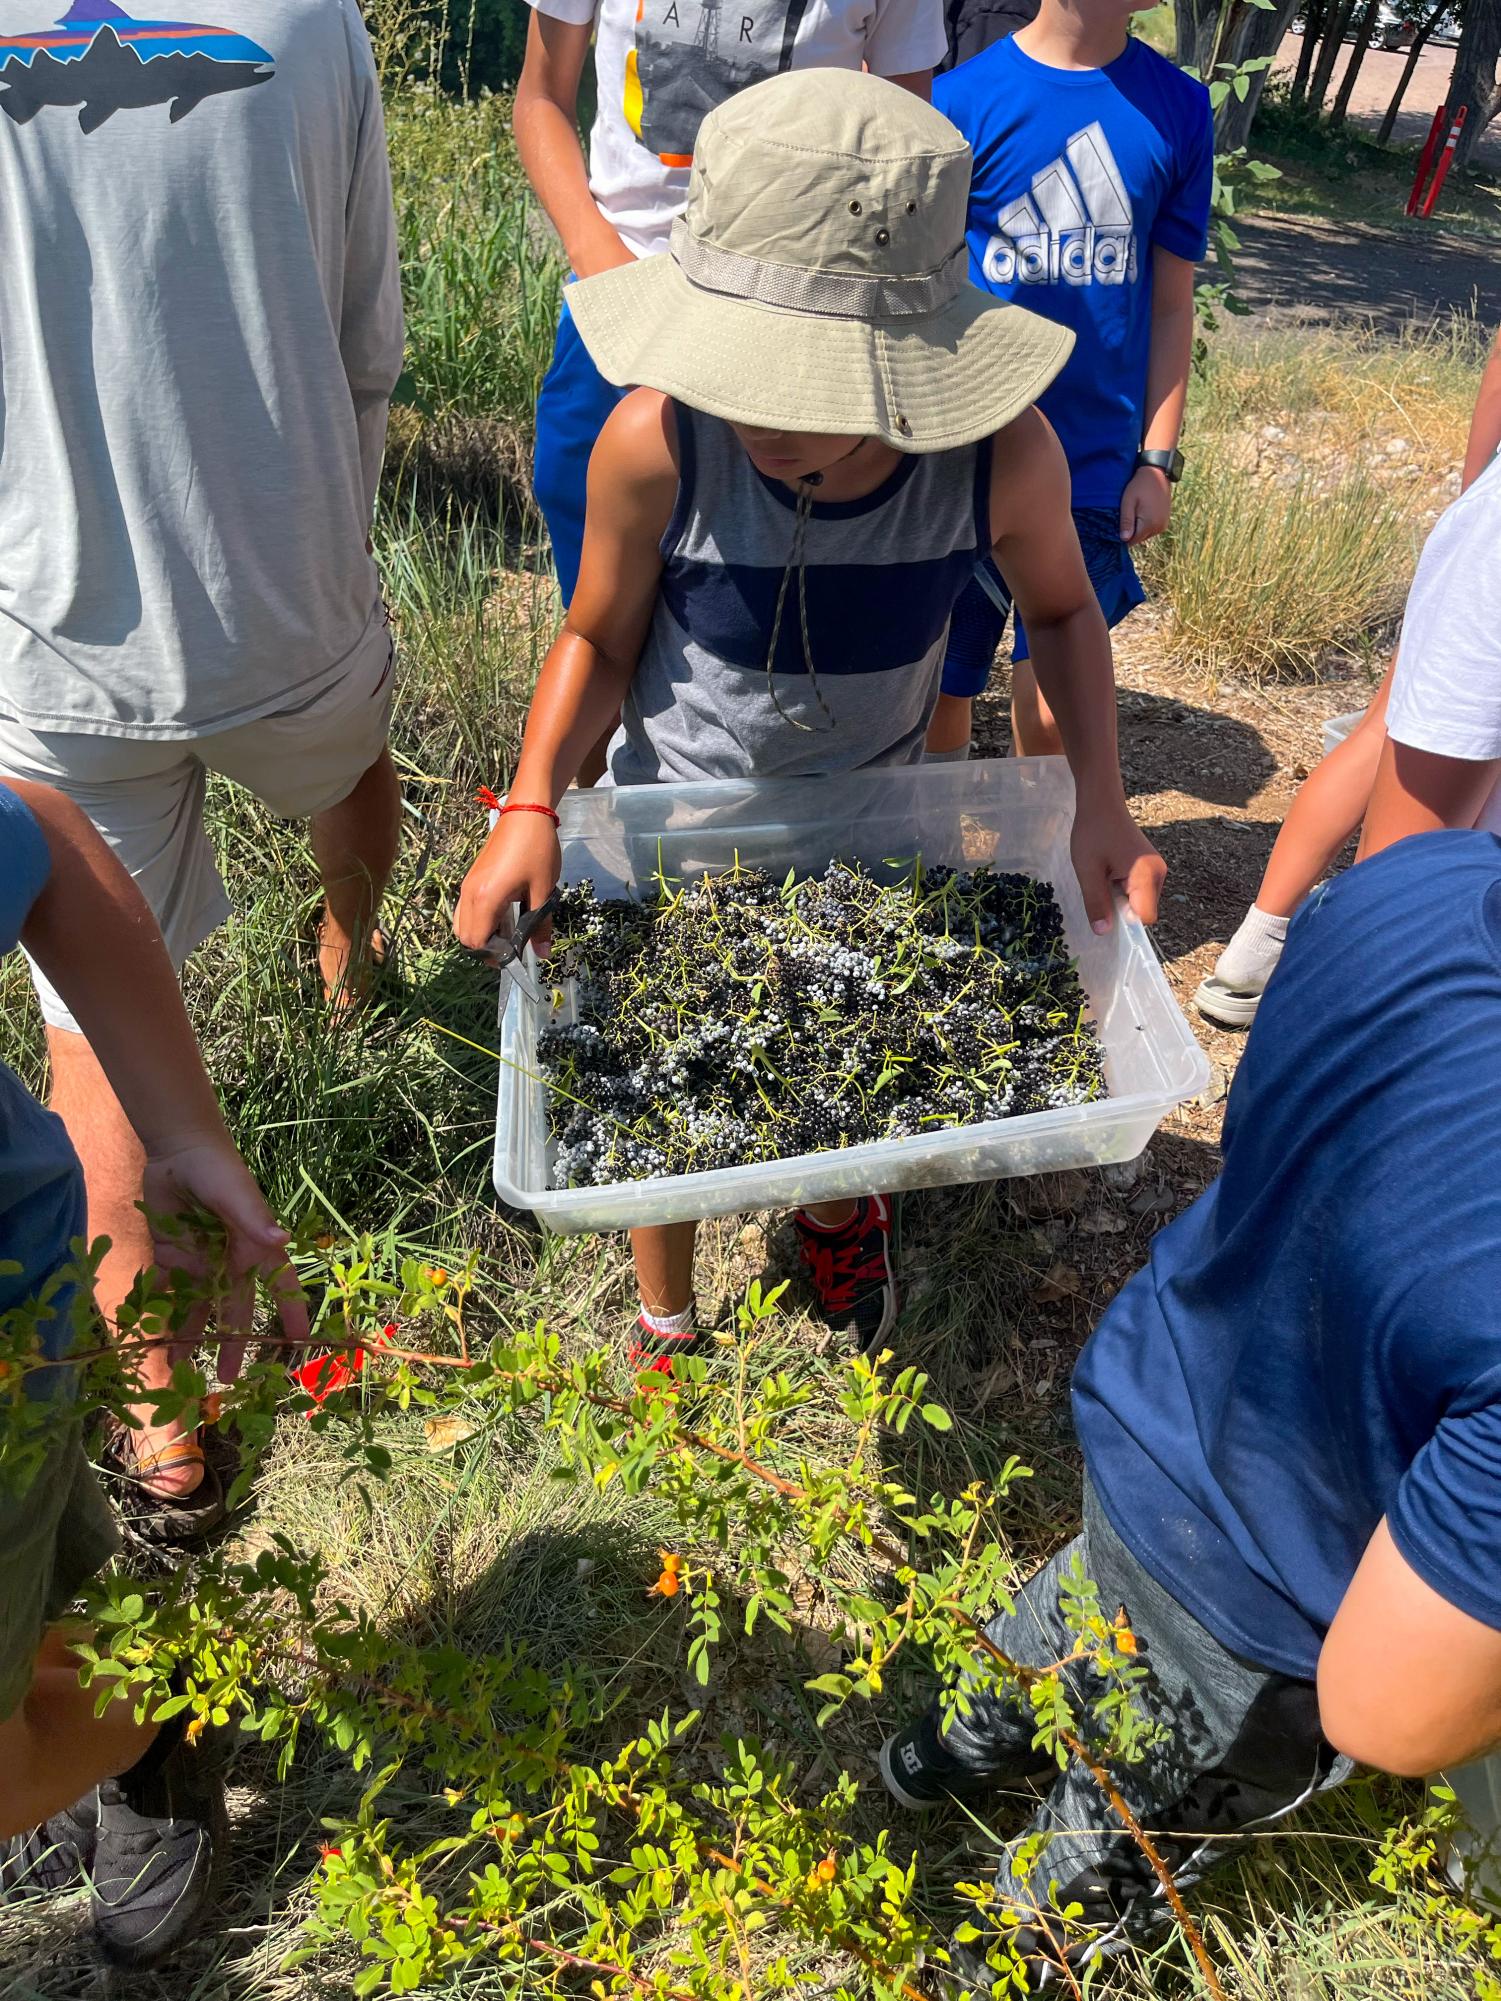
(572, 406)
(981, 613)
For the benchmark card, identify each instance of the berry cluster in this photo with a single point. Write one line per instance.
(742, 1019)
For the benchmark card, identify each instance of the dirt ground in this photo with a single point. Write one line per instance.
(1379, 76)
(1210, 774)
(1315, 272)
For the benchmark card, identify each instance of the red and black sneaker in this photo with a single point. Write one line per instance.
(653, 1353)
(851, 1269)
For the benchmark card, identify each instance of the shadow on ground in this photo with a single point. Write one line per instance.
(1313, 271)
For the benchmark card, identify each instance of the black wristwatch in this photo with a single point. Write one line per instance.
(1168, 463)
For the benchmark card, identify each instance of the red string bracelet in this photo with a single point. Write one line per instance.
(528, 806)
(492, 804)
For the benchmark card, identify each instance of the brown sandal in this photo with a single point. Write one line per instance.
(165, 1518)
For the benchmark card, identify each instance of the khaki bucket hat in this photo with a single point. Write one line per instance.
(817, 280)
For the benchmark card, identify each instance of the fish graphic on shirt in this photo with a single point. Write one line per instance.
(104, 60)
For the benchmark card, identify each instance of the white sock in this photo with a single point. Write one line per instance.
(1250, 959)
(670, 1323)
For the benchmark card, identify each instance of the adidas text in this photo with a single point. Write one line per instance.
(1087, 256)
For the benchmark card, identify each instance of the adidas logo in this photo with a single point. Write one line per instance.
(1074, 228)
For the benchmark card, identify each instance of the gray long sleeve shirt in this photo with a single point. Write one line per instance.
(200, 328)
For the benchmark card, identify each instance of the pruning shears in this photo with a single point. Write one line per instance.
(504, 953)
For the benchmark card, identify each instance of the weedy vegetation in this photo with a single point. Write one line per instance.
(1316, 460)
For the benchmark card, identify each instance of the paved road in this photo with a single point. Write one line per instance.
(1297, 267)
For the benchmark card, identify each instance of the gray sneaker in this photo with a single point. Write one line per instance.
(51, 1858)
(160, 1839)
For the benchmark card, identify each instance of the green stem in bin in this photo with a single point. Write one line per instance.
(896, 1007)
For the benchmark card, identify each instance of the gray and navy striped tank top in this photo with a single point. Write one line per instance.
(883, 575)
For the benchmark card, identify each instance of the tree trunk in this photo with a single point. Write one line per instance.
(1196, 25)
(1352, 67)
(1474, 79)
(1315, 20)
(1340, 14)
(1419, 43)
(1260, 34)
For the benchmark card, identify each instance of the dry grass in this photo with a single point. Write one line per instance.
(1317, 461)
(1263, 579)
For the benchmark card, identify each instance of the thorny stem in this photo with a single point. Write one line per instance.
(571, 1962)
(620, 1794)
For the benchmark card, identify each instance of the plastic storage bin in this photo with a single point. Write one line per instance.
(1014, 814)
(1338, 728)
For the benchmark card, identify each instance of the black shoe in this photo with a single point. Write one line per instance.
(920, 1772)
(162, 1830)
(852, 1273)
(53, 1857)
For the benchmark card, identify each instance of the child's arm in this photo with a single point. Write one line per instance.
(1420, 791)
(1148, 500)
(92, 934)
(545, 121)
(1485, 425)
(1037, 550)
(633, 481)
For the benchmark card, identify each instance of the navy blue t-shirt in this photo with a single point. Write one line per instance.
(41, 1184)
(1316, 1343)
(1078, 175)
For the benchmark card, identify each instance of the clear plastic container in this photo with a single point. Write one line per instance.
(1338, 728)
(1012, 813)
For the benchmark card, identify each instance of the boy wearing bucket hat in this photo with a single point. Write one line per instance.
(837, 424)
(661, 67)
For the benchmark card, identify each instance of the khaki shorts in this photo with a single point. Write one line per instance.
(146, 799)
(53, 1539)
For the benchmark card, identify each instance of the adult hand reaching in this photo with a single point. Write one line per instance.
(207, 1173)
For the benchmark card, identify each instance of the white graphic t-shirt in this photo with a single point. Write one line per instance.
(663, 66)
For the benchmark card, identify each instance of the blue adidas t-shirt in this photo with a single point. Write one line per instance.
(41, 1183)
(1078, 176)
(1317, 1342)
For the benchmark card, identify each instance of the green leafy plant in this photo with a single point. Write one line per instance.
(560, 1846)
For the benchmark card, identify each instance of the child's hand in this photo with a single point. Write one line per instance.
(207, 1173)
(520, 863)
(1108, 848)
(1146, 505)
